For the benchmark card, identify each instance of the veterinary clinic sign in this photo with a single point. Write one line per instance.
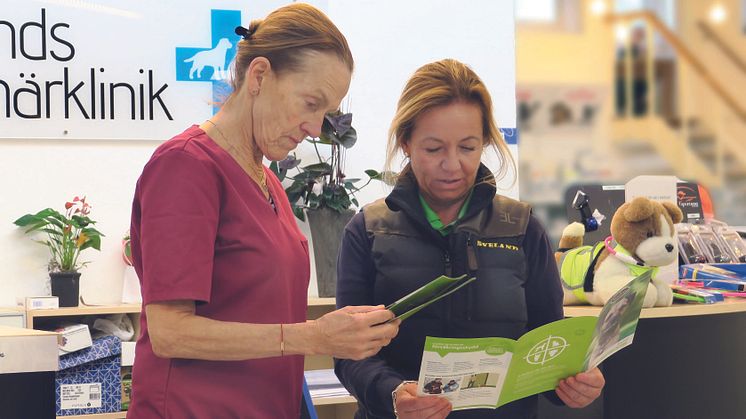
(115, 69)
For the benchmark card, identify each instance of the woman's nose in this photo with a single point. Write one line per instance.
(450, 162)
(312, 129)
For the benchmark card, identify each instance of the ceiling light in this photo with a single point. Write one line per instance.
(718, 13)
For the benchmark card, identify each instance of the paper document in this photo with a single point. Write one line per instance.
(324, 383)
(490, 372)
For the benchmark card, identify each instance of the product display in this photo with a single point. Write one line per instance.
(690, 251)
(710, 243)
(732, 241)
(713, 248)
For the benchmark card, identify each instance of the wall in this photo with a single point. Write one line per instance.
(552, 56)
(389, 40)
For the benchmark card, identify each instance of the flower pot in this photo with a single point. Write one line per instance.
(327, 227)
(66, 286)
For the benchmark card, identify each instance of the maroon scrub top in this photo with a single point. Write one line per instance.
(202, 230)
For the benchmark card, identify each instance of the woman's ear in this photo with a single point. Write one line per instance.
(405, 148)
(256, 73)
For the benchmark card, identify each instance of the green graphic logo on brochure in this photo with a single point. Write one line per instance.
(546, 350)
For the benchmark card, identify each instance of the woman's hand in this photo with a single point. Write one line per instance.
(355, 332)
(581, 389)
(410, 406)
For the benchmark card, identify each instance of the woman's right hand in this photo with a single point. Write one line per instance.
(411, 406)
(355, 332)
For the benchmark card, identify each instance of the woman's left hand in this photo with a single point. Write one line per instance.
(581, 389)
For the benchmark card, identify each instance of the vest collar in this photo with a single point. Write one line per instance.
(405, 196)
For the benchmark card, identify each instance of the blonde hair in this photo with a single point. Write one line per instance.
(442, 83)
(285, 35)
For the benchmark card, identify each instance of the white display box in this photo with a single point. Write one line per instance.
(73, 338)
(42, 303)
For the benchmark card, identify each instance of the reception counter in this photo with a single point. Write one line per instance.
(687, 362)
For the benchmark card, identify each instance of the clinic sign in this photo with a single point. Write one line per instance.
(112, 72)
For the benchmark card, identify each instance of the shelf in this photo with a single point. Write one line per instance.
(85, 310)
(322, 401)
(730, 305)
(115, 415)
(322, 301)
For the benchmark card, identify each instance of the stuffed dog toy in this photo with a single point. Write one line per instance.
(642, 238)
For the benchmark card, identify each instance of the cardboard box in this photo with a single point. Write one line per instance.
(73, 338)
(42, 303)
(89, 380)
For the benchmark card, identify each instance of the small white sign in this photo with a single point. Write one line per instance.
(80, 396)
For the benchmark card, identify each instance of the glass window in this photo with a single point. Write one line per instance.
(557, 15)
(536, 11)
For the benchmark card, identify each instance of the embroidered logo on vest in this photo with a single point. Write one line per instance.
(506, 217)
(490, 245)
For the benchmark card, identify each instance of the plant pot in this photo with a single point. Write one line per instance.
(66, 286)
(327, 227)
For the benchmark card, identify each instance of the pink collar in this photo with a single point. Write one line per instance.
(621, 256)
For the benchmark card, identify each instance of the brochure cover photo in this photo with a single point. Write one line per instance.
(490, 372)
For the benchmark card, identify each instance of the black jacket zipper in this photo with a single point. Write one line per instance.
(472, 267)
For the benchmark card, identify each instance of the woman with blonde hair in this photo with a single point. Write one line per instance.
(444, 217)
(223, 266)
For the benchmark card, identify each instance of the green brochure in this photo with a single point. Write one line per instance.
(490, 372)
(427, 294)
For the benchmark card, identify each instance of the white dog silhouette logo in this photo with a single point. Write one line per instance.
(214, 58)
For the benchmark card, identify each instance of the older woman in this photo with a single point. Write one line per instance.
(223, 266)
(444, 217)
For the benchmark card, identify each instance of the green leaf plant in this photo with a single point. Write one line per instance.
(67, 234)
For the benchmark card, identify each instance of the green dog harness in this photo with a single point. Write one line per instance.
(577, 267)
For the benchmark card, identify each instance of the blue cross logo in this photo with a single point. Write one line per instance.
(194, 64)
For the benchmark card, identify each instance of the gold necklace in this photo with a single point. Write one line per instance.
(255, 173)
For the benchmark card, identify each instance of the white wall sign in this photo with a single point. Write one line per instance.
(114, 69)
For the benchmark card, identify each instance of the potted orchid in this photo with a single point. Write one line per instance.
(67, 235)
(322, 191)
(323, 184)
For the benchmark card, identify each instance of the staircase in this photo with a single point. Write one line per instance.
(709, 146)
